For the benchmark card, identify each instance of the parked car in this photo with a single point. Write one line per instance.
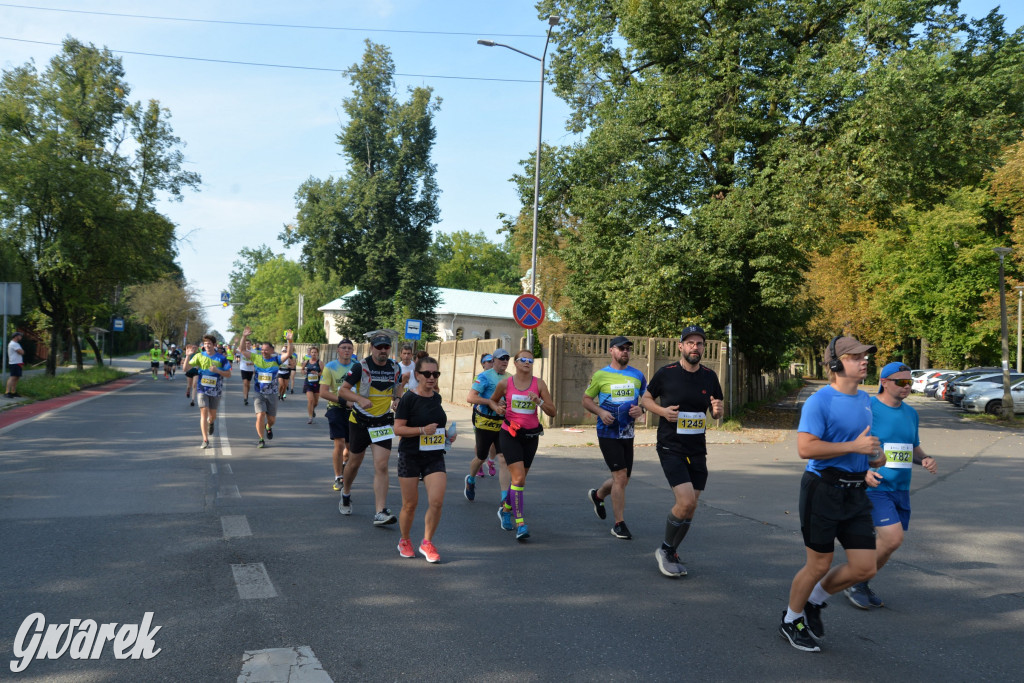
(937, 382)
(991, 400)
(919, 381)
(963, 378)
(980, 384)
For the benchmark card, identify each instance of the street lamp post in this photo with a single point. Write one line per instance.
(552, 22)
(1007, 396)
(1020, 301)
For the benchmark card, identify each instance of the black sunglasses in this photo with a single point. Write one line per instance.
(901, 382)
(382, 346)
(502, 358)
(429, 375)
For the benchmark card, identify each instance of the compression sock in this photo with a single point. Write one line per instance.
(681, 532)
(517, 503)
(819, 595)
(672, 525)
(506, 497)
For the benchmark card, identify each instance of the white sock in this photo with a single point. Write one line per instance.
(792, 616)
(819, 594)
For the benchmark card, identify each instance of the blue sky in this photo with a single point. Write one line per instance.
(255, 133)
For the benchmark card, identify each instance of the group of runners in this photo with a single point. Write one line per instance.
(855, 488)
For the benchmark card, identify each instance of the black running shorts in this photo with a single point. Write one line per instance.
(681, 469)
(829, 513)
(618, 454)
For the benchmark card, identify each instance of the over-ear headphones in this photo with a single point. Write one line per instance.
(836, 364)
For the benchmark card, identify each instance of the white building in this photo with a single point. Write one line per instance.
(461, 314)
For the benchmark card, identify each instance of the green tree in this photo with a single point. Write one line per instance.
(80, 170)
(372, 226)
(245, 266)
(165, 306)
(273, 299)
(468, 260)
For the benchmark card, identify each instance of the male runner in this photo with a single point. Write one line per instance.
(214, 368)
(487, 426)
(687, 391)
(834, 438)
(169, 361)
(896, 425)
(267, 365)
(617, 388)
(156, 356)
(372, 386)
(407, 364)
(247, 368)
(15, 364)
(176, 359)
(337, 409)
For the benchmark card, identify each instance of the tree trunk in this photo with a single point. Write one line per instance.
(51, 360)
(923, 365)
(76, 344)
(95, 350)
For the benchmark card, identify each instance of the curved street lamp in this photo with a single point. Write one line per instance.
(552, 22)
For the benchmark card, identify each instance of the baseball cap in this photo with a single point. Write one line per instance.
(846, 345)
(486, 358)
(379, 339)
(893, 368)
(693, 329)
(499, 353)
(620, 341)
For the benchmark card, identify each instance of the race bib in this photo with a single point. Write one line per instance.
(265, 377)
(690, 423)
(523, 405)
(386, 432)
(432, 442)
(899, 455)
(488, 424)
(622, 393)
(208, 381)
(312, 377)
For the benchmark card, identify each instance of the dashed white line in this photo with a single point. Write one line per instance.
(228, 492)
(235, 526)
(227, 469)
(213, 468)
(252, 581)
(282, 665)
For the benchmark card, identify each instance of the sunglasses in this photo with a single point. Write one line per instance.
(431, 375)
(502, 358)
(383, 347)
(528, 361)
(625, 347)
(901, 382)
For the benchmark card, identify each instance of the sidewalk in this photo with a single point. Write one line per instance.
(124, 364)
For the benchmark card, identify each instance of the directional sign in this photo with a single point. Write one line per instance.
(413, 328)
(528, 311)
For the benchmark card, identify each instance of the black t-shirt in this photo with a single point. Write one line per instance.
(418, 411)
(692, 392)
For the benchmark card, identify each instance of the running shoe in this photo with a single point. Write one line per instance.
(872, 595)
(523, 532)
(669, 563)
(206, 444)
(620, 530)
(314, 413)
(428, 551)
(598, 504)
(345, 506)
(798, 635)
(193, 404)
(245, 401)
(481, 472)
(405, 548)
(505, 517)
(470, 490)
(490, 468)
(210, 429)
(384, 517)
(261, 444)
(270, 432)
(860, 595)
(188, 394)
(812, 618)
(338, 483)
(309, 421)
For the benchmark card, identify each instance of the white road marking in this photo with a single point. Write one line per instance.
(228, 492)
(227, 469)
(235, 526)
(252, 581)
(213, 468)
(282, 665)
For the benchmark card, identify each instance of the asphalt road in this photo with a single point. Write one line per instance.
(108, 510)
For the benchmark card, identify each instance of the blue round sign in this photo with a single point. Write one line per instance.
(528, 310)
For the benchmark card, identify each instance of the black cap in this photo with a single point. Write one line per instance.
(693, 329)
(379, 339)
(620, 341)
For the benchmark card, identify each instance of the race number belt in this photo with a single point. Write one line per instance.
(487, 424)
(899, 455)
(690, 423)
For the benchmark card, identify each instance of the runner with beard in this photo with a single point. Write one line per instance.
(687, 391)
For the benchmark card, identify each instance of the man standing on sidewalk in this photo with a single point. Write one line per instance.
(896, 426)
(834, 438)
(15, 364)
(617, 389)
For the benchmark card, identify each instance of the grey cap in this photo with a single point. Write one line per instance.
(498, 353)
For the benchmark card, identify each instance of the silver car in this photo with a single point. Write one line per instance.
(991, 400)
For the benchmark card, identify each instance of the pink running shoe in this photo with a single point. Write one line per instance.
(490, 467)
(481, 472)
(405, 548)
(428, 551)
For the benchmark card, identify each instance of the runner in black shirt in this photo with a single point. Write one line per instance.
(686, 391)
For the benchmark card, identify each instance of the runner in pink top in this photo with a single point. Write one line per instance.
(520, 432)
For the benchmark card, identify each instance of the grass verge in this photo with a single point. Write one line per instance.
(42, 387)
(995, 420)
(763, 414)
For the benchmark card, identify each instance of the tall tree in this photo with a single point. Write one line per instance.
(166, 306)
(468, 260)
(372, 226)
(81, 167)
(245, 266)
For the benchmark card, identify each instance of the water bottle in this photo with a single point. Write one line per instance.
(449, 432)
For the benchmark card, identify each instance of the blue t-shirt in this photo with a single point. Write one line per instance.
(836, 417)
(617, 391)
(267, 370)
(896, 428)
(485, 384)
